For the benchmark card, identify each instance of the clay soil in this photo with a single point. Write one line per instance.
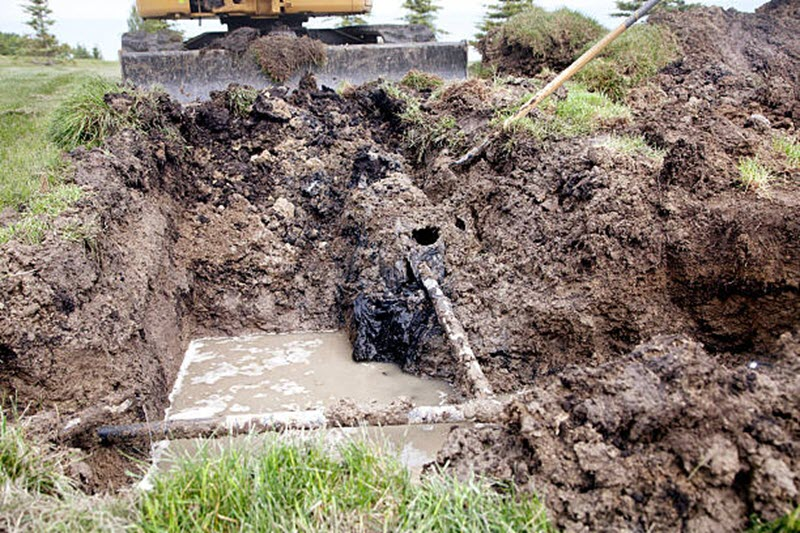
(629, 296)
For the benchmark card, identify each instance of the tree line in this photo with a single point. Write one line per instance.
(424, 11)
(42, 42)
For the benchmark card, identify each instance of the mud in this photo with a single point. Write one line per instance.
(307, 211)
(665, 438)
(288, 372)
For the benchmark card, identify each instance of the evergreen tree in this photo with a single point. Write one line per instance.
(44, 43)
(499, 12)
(626, 8)
(137, 23)
(81, 52)
(421, 12)
(96, 53)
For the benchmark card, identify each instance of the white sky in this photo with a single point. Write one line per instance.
(101, 22)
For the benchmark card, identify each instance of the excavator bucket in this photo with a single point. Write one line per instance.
(192, 70)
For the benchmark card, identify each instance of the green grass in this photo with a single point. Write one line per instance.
(240, 99)
(786, 524)
(634, 57)
(633, 145)
(424, 134)
(478, 69)
(539, 30)
(36, 495)
(84, 118)
(25, 466)
(41, 209)
(30, 162)
(281, 486)
(268, 484)
(754, 175)
(790, 148)
(421, 81)
(582, 112)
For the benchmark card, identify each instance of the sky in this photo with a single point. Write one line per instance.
(102, 22)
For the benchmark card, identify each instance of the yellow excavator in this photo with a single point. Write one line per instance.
(356, 54)
(248, 11)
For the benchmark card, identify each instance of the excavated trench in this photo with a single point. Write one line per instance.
(585, 275)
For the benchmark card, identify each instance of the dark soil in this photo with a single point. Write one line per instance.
(567, 263)
(237, 41)
(663, 439)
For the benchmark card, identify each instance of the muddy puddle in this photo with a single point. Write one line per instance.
(257, 374)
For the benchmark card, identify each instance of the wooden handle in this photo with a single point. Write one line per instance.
(579, 63)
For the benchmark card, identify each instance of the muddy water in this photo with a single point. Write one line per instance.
(269, 373)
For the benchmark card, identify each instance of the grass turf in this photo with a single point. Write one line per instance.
(267, 484)
(29, 94)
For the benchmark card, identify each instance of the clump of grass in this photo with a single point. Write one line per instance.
(25, 466)
(30, 230)
(479, 69)
(789, 148)
(85, 233)
(790, 523)
(282, 486)
(582, 112)
(239, 99)
(38, 496)
(754, 175)
(633, 145)
(55, 202)
(421, 81)
(42, 208)
(541, 30)
(536, 39)
(443, 503)
(634, 57)
(423, 134)
(85, 118)
(281, 56)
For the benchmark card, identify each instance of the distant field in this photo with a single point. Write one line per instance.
(29, 91)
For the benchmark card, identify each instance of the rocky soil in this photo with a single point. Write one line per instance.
(627, 293)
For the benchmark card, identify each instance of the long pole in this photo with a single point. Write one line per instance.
(472, 375)
(554, 85)
(485, 411)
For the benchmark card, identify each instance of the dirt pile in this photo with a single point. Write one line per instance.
(610, 249)
(664, 438)
(535, 39)
(781, 8)
(282, 55)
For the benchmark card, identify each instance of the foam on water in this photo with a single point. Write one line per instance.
(266, 373)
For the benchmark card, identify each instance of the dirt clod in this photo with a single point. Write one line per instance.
(662, 438)
(281, 55)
